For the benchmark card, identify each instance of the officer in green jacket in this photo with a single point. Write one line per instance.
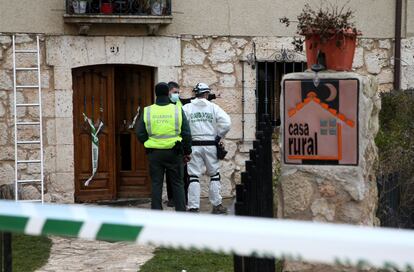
(165, 133)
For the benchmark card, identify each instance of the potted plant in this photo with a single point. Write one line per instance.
(329, 30)
(106, 7)
(79, 6)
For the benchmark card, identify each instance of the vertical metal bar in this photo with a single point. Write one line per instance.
(40, 119)
(16, 193)
(1, 251)
(275, 94)
(243, 120)
(7, 242)
(257, 95)
(266, 99)
(293, 63)
(397, 50)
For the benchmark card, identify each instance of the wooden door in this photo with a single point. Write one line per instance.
(93, 94)
(133, 88)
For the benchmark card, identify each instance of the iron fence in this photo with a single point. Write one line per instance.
(5, 252)
(254, 196)
(119, 7)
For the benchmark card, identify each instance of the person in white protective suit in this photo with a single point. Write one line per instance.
(208, 123)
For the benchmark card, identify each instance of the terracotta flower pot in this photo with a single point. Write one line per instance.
(339, 51)
(106, 8)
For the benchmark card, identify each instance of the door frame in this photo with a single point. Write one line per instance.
(82, 195)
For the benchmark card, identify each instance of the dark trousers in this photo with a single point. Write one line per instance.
(163, 161)
(169, 185)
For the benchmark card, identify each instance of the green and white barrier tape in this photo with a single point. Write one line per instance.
(307, 241)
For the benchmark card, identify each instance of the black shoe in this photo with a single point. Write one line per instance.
(219, 209)
(170, 203)
(194, 210)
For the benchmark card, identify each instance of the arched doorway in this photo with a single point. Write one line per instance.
(111, 94)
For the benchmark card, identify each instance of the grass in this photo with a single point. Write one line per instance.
(29, 252)
(172, 260)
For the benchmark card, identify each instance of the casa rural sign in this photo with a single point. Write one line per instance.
(321, 123)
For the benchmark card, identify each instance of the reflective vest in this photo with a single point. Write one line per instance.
(163, 125)
(179, 104)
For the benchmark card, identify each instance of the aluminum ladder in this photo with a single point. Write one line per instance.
(37, 125)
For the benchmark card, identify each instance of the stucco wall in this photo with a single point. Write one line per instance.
(198, 17)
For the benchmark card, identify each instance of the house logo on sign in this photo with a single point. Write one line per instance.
(320, 124)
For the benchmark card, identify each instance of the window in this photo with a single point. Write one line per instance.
(269, 77)
(328, 127)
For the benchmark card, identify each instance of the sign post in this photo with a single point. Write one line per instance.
(328, 148)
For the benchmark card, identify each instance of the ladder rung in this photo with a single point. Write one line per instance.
(29, 161)
(28, 142)
(27, 123)
(27, 86)
(28, 105)
(26, 69)
(28, 180)
(26, 51)
(30, 200)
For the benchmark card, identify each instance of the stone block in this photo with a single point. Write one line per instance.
(50, 159)
(4, 136)
(385, 76)
(50, 138)
(158, 51)
(167, 73)
(231, 148)
(6, 172)
(115, 49)
(6, 82)
(227, 81)
(204, 42)
(384, 44)
(62, 78)
(366, 43)
(235, 132)
(6, 153)
(193, 75)
(249, 126)
(62, 183)
(407, 76)
(64, 158)
(29, 192)
(358, 61)
(225, 68)
(322, 211)
(2, 110)
(48, 103)
(375, 60)
(64, 103)
(297, 194)
(192, 55)
(5, 41)
(230, 100)
(238, 42)
(64, 131)
(227, 169)
(222, 51)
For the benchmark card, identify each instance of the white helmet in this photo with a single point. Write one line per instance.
(201, 88)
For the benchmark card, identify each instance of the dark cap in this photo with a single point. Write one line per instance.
(162, 89)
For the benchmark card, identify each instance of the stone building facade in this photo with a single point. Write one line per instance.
(217, 58)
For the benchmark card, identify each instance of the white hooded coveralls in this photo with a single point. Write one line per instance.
(207, 120)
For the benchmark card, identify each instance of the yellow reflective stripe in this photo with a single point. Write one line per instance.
(177, 125)
(148, 116)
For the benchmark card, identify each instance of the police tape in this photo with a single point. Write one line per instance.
(259, 237)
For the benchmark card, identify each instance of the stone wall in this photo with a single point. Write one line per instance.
(187, 59)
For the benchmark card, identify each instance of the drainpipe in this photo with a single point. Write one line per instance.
(397, 47)
(243, 98)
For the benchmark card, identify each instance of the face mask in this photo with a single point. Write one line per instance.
(174, 97)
